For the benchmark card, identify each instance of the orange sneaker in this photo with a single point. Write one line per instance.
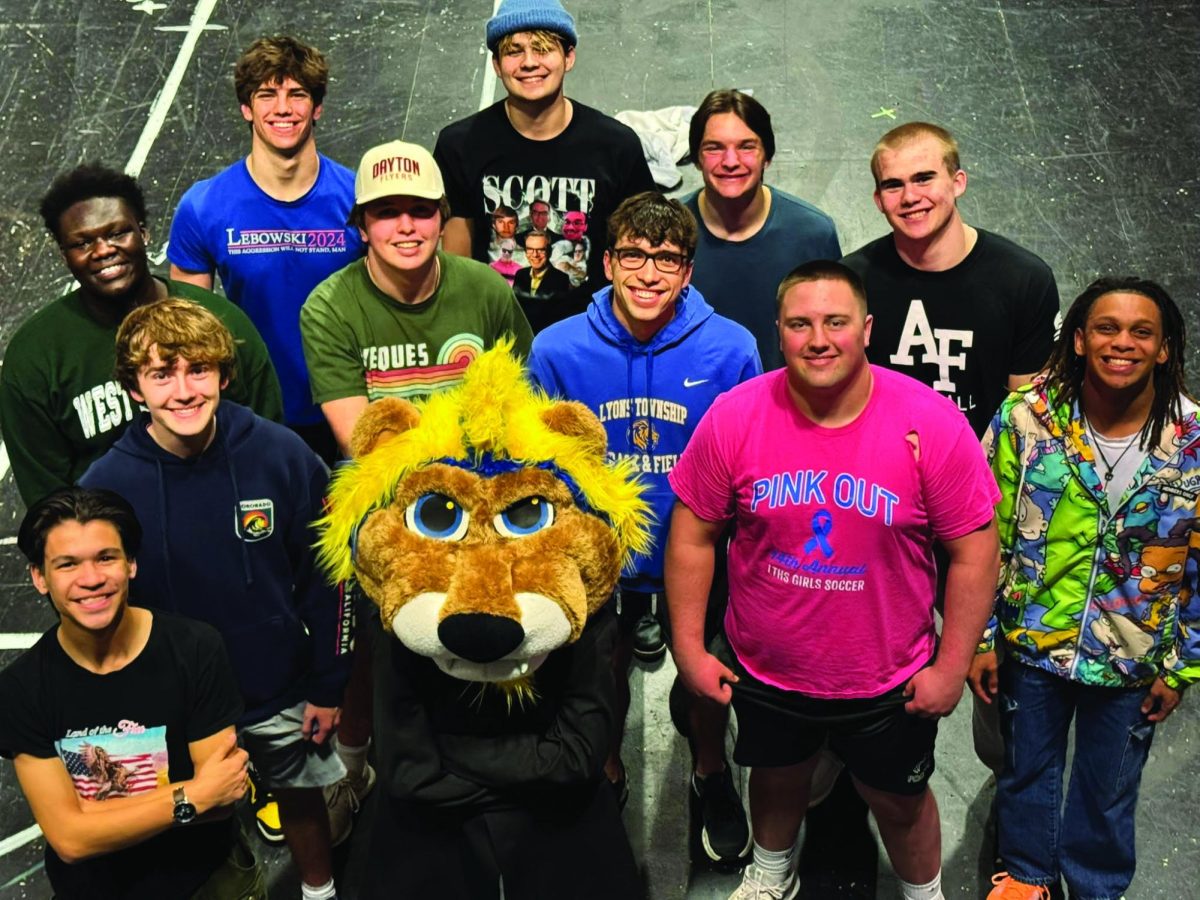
(1008, 888)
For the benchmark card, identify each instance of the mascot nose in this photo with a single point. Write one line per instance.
(480, 637)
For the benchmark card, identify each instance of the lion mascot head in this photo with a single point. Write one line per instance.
(484, 521)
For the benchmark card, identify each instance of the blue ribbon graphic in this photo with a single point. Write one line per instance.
(822, 524)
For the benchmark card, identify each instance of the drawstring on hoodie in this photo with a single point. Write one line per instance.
(629, 391)
(162, 529)
(247, 570)
(237, 511)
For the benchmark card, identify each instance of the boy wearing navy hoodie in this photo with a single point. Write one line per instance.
(226, 498)
(677, 356)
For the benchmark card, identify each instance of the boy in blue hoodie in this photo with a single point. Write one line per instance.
(230, 497)
(677, 356)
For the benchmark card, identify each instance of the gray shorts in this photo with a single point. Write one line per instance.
(283, 759)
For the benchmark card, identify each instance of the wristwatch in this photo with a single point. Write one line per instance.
(184, 812)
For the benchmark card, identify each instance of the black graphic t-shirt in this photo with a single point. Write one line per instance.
(122, 734)
(965, 330)
(564, 188)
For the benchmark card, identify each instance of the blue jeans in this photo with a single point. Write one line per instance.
(1090, 840)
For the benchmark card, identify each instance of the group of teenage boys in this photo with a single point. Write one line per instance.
(810, 519)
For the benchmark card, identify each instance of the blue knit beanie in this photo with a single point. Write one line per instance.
(530, 15)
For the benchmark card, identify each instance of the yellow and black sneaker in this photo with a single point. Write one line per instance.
(266, 810)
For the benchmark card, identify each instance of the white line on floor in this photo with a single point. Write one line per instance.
(18, 840)
(18, 640)
(186, 27)
(488, 95)
(166, 96)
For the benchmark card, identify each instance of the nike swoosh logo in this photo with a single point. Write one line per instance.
(687, 382)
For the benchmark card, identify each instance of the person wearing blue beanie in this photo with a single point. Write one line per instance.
(560, 167)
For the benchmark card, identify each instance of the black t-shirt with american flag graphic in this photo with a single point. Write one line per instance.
(122, 734)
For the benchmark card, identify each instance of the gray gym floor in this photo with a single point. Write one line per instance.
(1079, 131)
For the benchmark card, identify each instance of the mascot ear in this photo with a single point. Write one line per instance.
(381, 421)
(576, 420)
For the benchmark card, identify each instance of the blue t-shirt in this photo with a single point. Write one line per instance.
(270, 254)
(740, 278)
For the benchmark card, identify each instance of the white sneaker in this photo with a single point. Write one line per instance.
(757, 885)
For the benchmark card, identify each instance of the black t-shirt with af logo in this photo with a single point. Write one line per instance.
(494, 175)
(965, 330)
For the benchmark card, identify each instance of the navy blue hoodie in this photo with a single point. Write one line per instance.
(650, 396)
(227, 541)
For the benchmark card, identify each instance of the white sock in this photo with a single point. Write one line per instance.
(325, 891)
(776, 865)
(930, 891)
(353, 758)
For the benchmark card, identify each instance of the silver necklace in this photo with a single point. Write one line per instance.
(1108, 466)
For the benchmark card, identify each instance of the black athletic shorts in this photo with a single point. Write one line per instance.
(883, 746)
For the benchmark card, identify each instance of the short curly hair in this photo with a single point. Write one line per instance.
(656, 219)
(84, 183)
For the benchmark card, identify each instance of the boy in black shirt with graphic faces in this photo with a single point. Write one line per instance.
(552, 160)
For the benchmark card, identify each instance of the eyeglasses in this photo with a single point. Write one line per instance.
(665, 261)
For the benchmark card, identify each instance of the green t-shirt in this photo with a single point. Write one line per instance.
(359, 341)
(61, 407)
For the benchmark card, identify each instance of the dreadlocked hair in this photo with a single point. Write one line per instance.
(1065, 368)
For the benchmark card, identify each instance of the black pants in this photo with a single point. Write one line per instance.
(571, 845)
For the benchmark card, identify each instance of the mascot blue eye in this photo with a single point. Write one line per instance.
(437, 516)
(525, 517)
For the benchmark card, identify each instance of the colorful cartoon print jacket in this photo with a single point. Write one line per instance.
(1101, 598)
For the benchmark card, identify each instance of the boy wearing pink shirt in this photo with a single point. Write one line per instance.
(840, 478)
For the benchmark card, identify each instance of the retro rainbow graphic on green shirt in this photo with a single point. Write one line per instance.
(457, 352)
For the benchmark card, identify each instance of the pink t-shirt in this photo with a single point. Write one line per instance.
(831, 572)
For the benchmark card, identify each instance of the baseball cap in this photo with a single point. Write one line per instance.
(530, 15)
(397, 169)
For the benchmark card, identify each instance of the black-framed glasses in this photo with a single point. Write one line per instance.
(664, 260)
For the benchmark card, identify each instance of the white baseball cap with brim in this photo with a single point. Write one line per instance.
(397, 169)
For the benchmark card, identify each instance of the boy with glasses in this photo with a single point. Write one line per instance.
(677, 356)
